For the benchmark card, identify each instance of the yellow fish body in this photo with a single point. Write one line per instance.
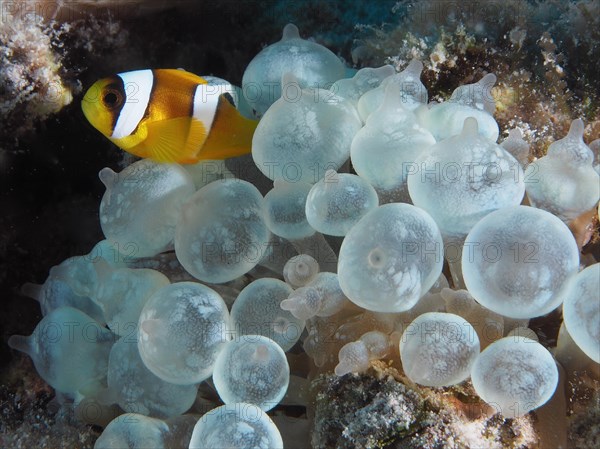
(169, 116)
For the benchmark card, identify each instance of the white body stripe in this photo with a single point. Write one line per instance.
(206, 100)
(138, 86)
(225, 86)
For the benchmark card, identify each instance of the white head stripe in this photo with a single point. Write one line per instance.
(206, 100)
(137, 85)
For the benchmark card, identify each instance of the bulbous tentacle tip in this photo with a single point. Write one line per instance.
(342, 369)
(290, 31)
(297, 306)
(415, 67)
(394, 99)
(289, 304)
(470, 127)
(488, 80)
(32, 290)
(302, 269)
(320, 358)
(515, 134)
(576, 129)
(21, 343)
(486, 84)
(108, 177)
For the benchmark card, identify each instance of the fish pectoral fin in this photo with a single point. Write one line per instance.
(174, 140)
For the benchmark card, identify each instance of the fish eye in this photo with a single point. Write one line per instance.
(111, 98)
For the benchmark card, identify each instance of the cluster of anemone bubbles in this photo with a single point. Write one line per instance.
(205, 282)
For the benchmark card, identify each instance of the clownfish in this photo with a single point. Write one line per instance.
(169, 115)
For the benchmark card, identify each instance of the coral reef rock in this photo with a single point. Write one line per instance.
(382, 409)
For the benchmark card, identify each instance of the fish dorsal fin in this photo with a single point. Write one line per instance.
(174, 140)
(182, 74)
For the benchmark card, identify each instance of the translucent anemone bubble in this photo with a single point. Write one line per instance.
(475, 100)
(390, 258)
(136, 431)
(252, 369)
(139, 208)
(236, 426)
(122, 293)
(564, 182)
(136, 389)
(56, 292)
(516, 260)
(515, 375)
(389, 143)
(407, 85)
(300, 270)
(257, 310)
(463, 178)
(69, 350)
(365, 80)
(221, 233)
(304, 133)
(438, 349)
(581, 311)
(284, 210)
(338, 201)
(181, 330)
(311, 63)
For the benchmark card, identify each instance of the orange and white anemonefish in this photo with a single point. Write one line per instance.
(169, 115)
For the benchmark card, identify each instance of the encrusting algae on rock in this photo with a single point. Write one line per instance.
(32, 85)
(383, 409)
